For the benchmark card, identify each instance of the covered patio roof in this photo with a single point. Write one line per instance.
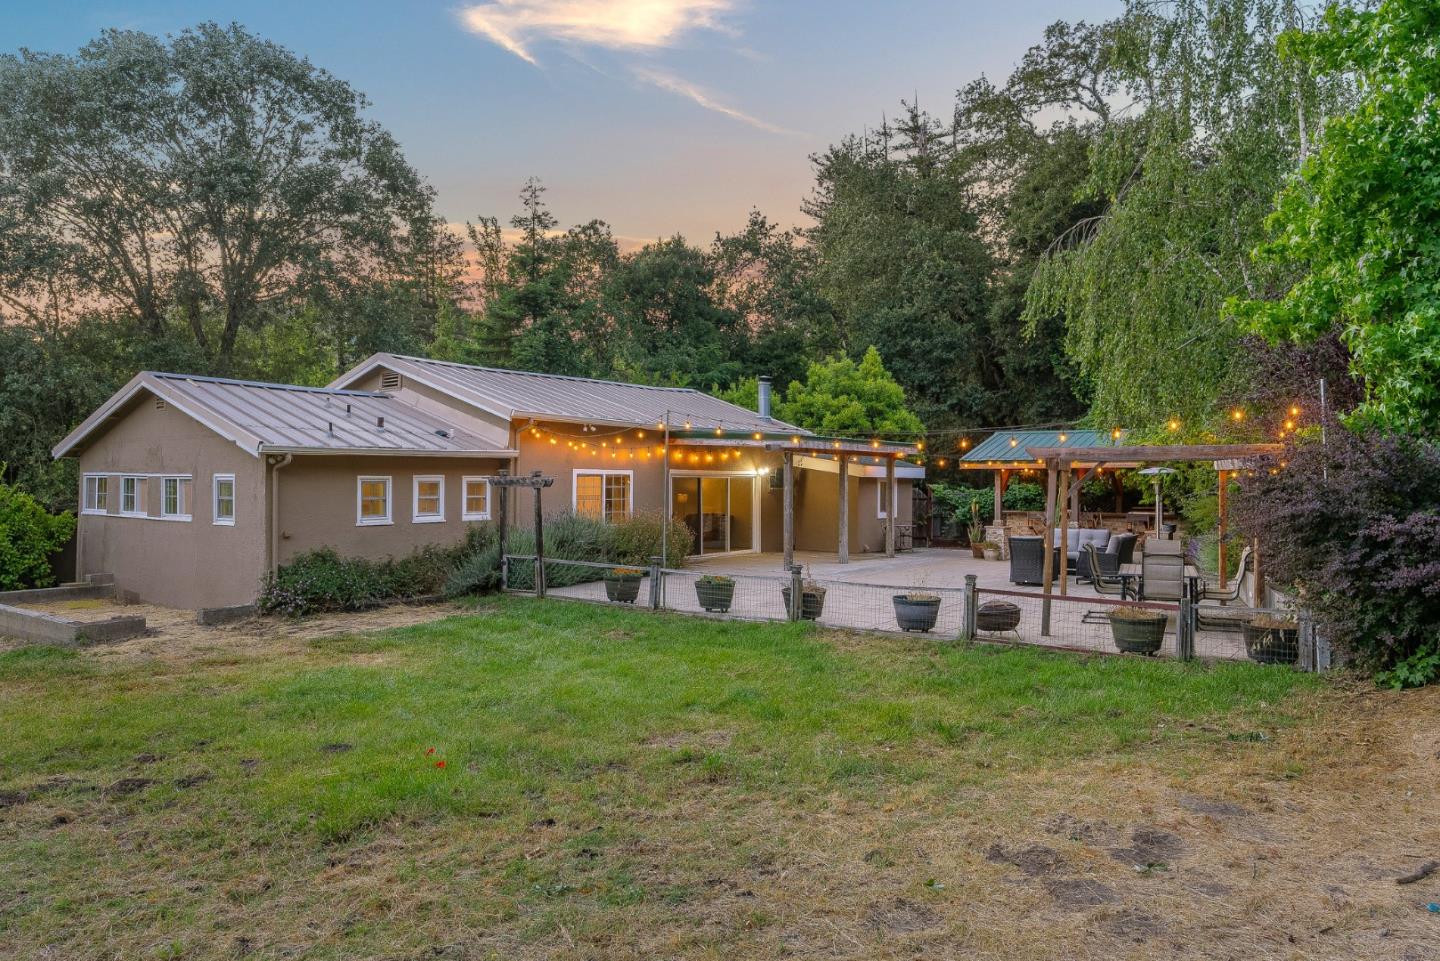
(1134, 454)
(791, 442)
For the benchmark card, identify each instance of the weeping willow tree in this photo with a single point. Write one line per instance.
(1215, 125)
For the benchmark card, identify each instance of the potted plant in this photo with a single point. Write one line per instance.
(976, 531)
(916, 610)
(715, 592)
(991, 550)
(1137, 630)
(622, 584)
(1272, 640)
(812, 599)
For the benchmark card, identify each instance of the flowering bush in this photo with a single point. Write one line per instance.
(1353, 526)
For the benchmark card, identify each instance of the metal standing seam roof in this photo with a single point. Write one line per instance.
(515, 393)
(263, 417)
(998, 446)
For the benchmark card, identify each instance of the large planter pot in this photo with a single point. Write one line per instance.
(715, 596)
(812, 602)
(977, 552)
(623, 588)
(1271, 643)
(1138, 635)
(916, 613)
(992, 553)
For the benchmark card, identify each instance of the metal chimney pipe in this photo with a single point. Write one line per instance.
(764, 397)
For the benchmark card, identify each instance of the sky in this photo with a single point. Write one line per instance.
(658, 116)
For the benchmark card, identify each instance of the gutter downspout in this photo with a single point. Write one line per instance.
(273, 541)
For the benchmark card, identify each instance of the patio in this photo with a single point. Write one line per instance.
(858, 596)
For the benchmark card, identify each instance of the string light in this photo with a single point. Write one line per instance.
(1064, 437)
(1294, 411)
(1014, 442)
(1174, 424)
(1237, 415)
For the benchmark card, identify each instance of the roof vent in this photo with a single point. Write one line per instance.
(390, 380)
(443, 432)
(380, 423)
(159, 403)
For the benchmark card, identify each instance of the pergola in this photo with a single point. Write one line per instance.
(845, 451)
(1068, 467)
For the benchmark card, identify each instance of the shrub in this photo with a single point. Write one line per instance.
(28, 536)
(1353, 527)
(638, 539)
(1024, 496)
(322, 580)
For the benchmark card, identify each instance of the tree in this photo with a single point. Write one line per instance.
(1216, 124)
(1362, 220)
(841, 397)
(214, 176)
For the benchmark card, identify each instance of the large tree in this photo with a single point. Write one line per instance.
(1363, 218)
(212, 177)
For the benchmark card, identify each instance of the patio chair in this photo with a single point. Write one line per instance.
(1231, 593)
(1212, 617)
(1162, 577)
(1105, 583)
(1027, 560)
(1118, 552)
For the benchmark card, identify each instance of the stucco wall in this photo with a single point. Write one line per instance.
(817, 510)
(318, 501)
(187, 564)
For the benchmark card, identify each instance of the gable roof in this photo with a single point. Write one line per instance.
(1012, 446)
(516, 393)
(261, 418)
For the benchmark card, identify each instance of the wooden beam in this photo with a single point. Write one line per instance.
(999, 509)
(890, 511)
(1154, 453)
(789, 469)
(1259, 572)
(1064, 558)
(1119, 488)
(1048, 567)
(844, 475)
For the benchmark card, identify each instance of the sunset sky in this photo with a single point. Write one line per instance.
(656, 115)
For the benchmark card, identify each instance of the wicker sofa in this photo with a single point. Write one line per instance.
(1027, 560)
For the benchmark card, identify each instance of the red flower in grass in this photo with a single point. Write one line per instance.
(429, 751)
(439, 763)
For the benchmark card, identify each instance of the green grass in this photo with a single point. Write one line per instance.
(555, 710)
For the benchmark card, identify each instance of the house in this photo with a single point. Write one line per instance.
(193, 488)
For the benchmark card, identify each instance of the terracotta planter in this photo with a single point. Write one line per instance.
(1271, 645)
(622, 589)
(812, 603)
(1135, 635)
(715, 596)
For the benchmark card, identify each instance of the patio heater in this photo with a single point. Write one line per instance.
(1158, 475)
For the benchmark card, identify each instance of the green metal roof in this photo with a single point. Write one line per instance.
(1008, 446)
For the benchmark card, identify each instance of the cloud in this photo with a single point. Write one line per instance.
(615, 24)
(684, 88)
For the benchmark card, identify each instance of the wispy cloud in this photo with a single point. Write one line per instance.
(684, 88)
(615, 24)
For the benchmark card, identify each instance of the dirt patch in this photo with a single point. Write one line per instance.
(1150, 846)
(900, 916)
(705, 740)
(194, 780)
(127, 786)
(1133, 925)
(1033, 860)
(1210, 807)
(339, 747)
(1077, 894)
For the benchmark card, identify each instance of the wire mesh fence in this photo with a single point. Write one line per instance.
(1076, 622)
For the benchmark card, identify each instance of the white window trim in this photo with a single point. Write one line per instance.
(629, 488)
(137, 512)
(360, 519)
(179, 480)
(215, 518)
(415, 516)
(85, 507)
(880, 510)
(467, 515)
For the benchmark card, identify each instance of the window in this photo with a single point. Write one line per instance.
(373, 496)
(175, 498)
(603, 493)
(429, 500)
(882, 499)
(97, 494)
(130, 497)
(224, 491)
(477, 500)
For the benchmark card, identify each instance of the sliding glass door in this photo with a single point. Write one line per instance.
(719, 509)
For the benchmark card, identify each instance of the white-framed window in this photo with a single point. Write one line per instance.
(372, 500)
(882, 499)
(222, 490)
(607, 494)
(175, 498)
(429, 499)
(97, 494)
(476, 506)
(130, 503)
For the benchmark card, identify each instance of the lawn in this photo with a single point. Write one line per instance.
(551, 779)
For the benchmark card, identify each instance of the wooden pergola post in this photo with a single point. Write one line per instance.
(1223, 506)
(999, 512)
(1048, 567)
(789, 520)
(1118, 486)
(890, 511)
(1066, 493)
(844, 474)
